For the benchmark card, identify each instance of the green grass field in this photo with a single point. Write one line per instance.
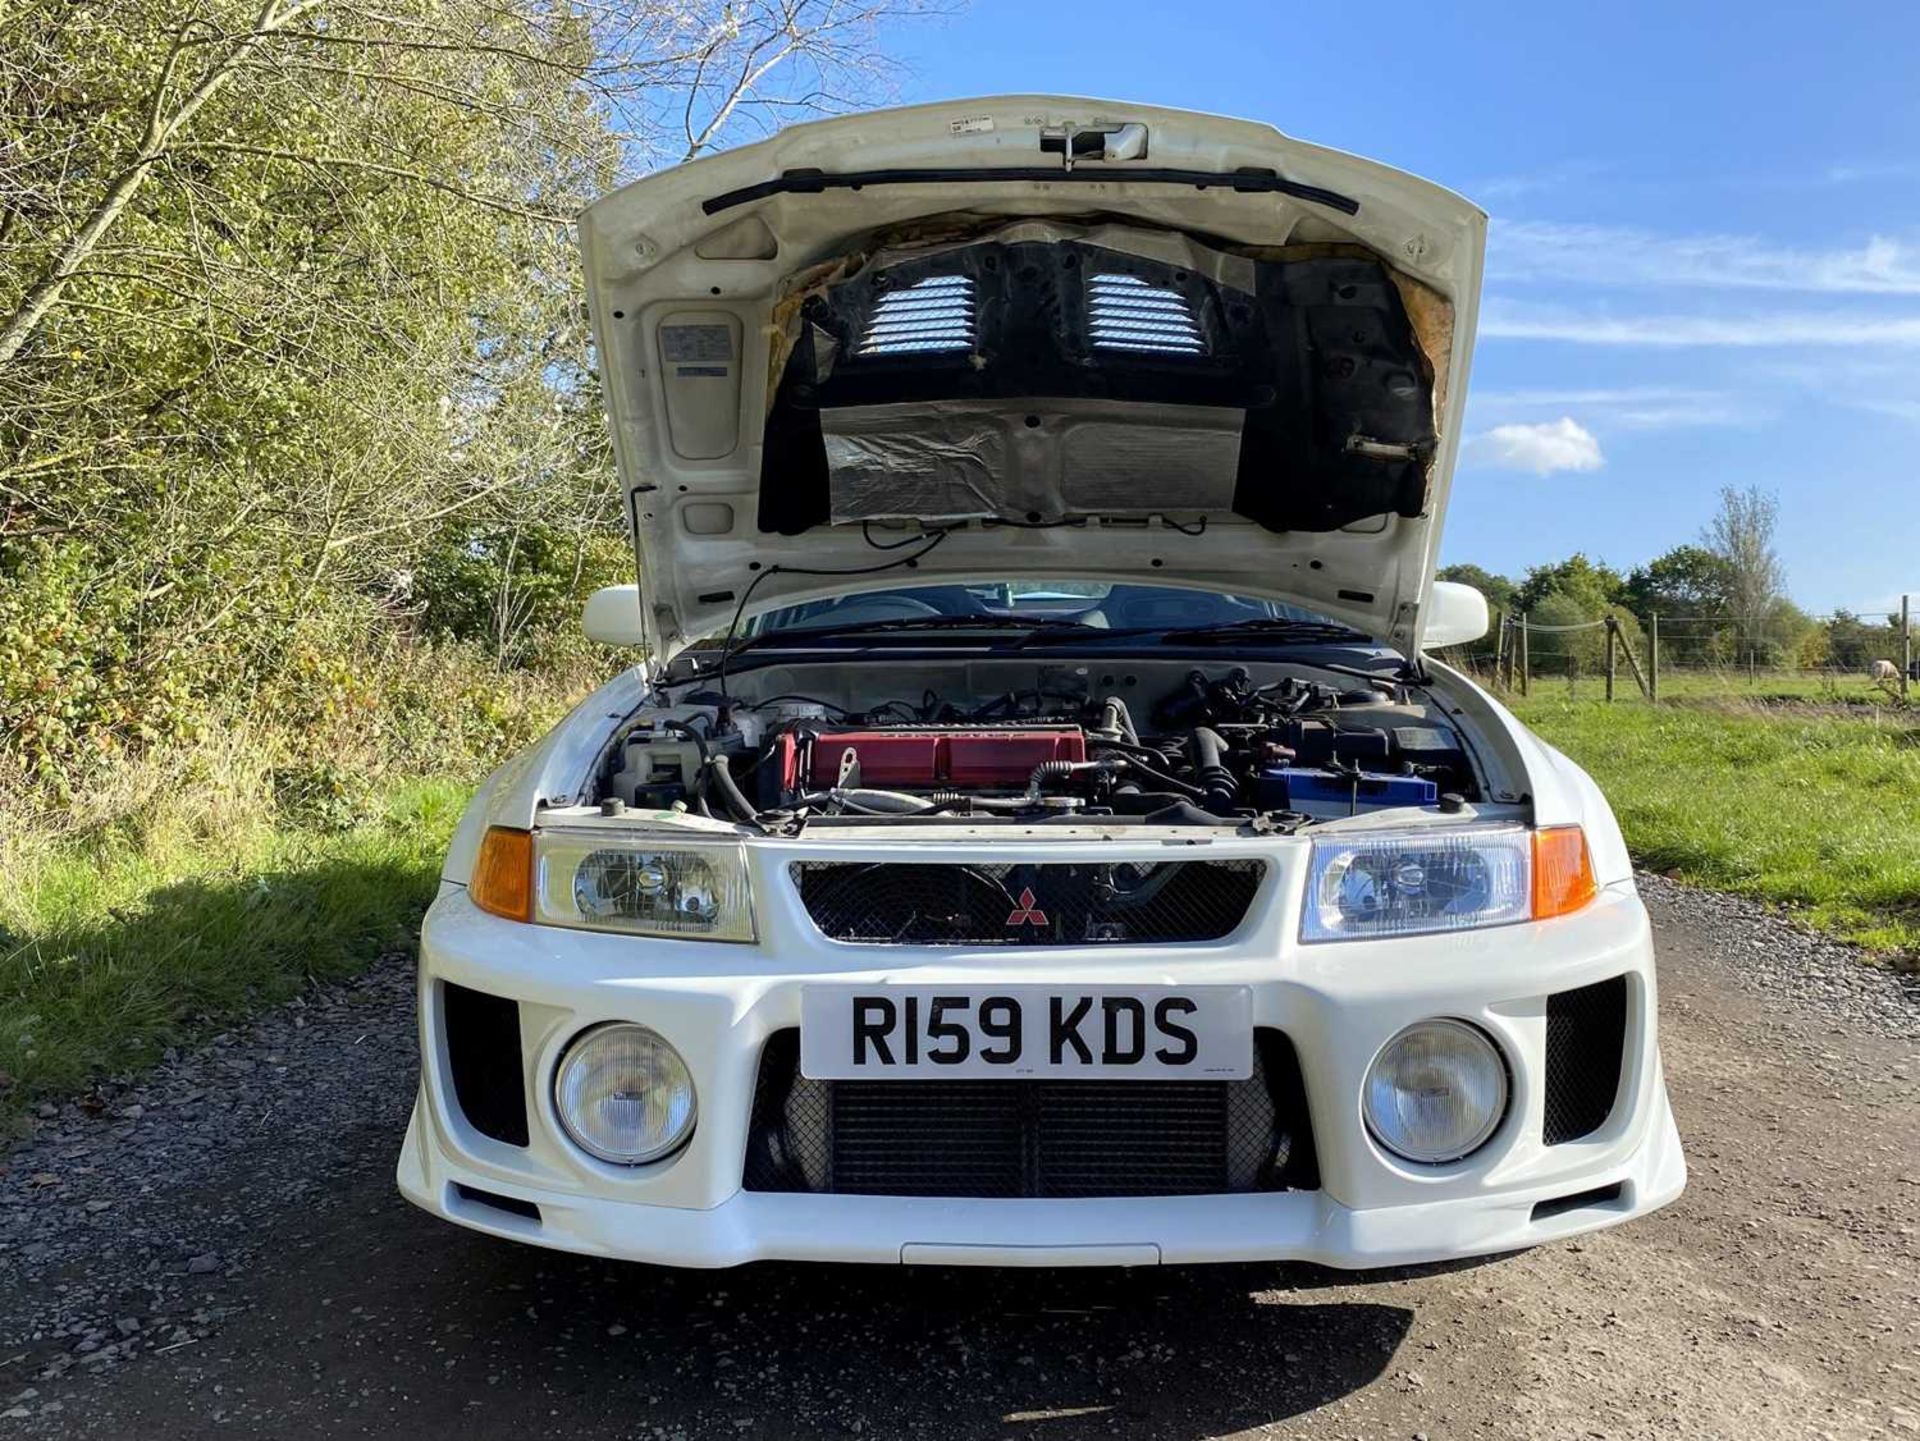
(1806, 805)
(1849, 689)
(115, 947)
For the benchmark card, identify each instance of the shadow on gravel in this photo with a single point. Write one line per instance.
(497, 1339)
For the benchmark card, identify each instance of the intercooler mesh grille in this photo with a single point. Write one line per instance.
(1129, 903)
(1028, 1138)
(483, 1055)
(1586, 1036)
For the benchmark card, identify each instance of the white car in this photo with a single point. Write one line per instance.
(1038, 832)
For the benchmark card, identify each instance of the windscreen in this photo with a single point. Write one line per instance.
(1098, 604)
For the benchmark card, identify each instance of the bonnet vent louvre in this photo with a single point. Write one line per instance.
(1126, 313)
(930, 315)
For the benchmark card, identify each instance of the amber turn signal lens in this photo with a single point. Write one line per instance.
(503, 875)
(1562, 872)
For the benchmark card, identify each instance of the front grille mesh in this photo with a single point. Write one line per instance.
(1129, 903)
(1027, 1138)
(1586, 1036)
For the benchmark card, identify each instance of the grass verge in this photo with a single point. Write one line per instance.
(1819, 812)
(118, 944)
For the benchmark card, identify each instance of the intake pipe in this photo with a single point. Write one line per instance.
(1116, 721)
(1220, 792)
(869, 802)
(1059, 770)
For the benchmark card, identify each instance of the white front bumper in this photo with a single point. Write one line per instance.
(1338, 1004)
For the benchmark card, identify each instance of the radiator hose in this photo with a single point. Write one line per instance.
(721, 779)
(1220, 792)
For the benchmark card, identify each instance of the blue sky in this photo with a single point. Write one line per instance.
(1705, 258)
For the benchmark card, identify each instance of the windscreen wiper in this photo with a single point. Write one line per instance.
(1285, 632)
(801, 635)
(1270, 627)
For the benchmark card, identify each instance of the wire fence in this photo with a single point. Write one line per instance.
(1844, 659)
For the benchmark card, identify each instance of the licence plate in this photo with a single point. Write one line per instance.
(1087, 1032)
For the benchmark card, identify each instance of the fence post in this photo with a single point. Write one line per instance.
(1613, 636)
(1906, 647)
(1613, 627)
(1653, 660)
(1499, 643)
(1526, 656)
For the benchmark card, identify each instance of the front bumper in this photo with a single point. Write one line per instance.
(718, 1004)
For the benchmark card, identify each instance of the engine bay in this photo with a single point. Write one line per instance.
(1161, 745)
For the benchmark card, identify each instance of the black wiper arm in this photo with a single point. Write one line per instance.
(802, 634)
(1291, 632)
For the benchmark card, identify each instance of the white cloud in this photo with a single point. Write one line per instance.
(1625, 256)
(1618, 395)
(1533, 182)
(1873, 170)
(1641, 407)
(1883, 384)
(1505, 320)
(1550, 446)
(1898, 408)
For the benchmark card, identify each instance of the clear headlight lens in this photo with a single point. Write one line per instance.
(698, 892)
(624, 1095)
(1405, 883)
(1436, 1092)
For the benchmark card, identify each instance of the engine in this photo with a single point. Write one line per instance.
(1216, 750)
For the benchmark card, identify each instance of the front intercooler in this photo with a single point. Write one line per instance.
(1031, 1138)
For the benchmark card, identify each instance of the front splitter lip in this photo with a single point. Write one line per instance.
(1306, 1226)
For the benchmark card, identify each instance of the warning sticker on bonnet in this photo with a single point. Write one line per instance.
(696, 344)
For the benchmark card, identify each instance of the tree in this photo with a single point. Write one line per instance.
(1688, 580)
(1496, 588)
(1854, 643)
(1741, 536)
(1690, 589)
(1581, 643)
(1595, 584)
(288, 303)
(553, 80)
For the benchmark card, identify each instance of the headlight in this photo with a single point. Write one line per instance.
(623, 1094)
(697, 892)
(1436, 1092)
(1410, 883)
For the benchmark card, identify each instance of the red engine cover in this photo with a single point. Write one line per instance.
(943, 759)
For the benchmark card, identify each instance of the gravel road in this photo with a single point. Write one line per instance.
(219, 1248)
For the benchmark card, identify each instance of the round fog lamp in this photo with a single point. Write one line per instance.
(624, 1095)
(1436, 1092)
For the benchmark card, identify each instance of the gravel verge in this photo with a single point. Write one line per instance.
(121, 1211)
(1773, 956)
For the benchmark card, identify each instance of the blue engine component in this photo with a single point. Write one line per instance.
(1329, 795)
